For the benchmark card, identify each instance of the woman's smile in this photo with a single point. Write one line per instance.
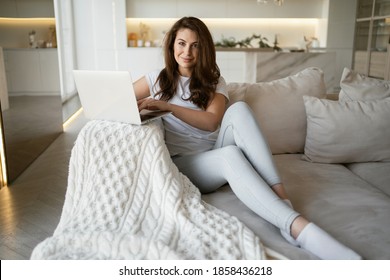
(187, 60)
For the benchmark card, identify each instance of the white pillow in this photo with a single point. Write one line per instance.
(279, 109)
(355, 86)
(349, 131)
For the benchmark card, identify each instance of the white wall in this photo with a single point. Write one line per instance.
(100, 34)
(66, 47)
(341, 32)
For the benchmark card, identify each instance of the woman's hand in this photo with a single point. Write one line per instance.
(153, 105)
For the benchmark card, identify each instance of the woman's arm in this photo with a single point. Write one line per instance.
(208, 120)
(141, 88)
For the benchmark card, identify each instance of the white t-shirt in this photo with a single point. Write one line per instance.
(180, 137)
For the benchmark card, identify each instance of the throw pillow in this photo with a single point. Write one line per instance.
(349, 131)
(355, 86)
(236, 92)
(279, 109)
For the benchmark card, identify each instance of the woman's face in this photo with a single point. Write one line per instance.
(185, 50)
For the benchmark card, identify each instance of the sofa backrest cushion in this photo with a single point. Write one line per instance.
(347, 131)
(355, 86)
(279, 109)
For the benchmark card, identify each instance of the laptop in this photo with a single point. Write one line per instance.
(109, 95)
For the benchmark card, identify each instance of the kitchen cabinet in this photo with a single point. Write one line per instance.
(222, 9)
(232, 65)
(26, 8)
(372, 34)
(32, 71)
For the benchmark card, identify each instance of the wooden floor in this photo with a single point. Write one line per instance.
(30, 208)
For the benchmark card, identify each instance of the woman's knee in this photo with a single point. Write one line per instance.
(240, 111)
(239, 106)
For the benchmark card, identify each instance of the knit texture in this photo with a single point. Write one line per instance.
(127, 200)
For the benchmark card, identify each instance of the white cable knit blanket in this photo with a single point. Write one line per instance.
(127, 200)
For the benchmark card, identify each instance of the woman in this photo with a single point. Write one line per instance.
(213, 147)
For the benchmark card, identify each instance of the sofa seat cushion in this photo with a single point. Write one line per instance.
(375, 173)
(342, 203)
(345, 205)
(225, 199)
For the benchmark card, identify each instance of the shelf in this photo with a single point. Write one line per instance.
(364, 8)
(372, 34)
(382, 8)
(363, 19)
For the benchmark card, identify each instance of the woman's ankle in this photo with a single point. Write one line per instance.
(279, 190)
(298, 225)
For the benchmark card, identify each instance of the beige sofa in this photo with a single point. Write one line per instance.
(333, 157)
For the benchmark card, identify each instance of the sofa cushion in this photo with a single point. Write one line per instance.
(279, 108)
(343, 204)
(331, 196)
(375, 173)
(355, 86)
(345, 132)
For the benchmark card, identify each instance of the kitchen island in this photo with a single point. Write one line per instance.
(263, 67)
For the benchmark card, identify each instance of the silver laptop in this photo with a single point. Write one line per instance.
(109, 95)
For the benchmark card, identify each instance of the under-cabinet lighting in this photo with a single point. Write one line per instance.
(290, 31)
(15, 20)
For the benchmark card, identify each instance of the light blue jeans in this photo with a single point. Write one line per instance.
(242, 158)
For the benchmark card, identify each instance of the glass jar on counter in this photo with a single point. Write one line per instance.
(132, 40)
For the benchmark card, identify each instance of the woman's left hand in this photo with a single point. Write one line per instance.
(153, 104)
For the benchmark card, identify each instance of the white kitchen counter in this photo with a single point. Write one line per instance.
(32, 71)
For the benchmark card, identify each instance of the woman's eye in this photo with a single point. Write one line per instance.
(195, 46)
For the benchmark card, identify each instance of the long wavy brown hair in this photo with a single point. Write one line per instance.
(205, 74)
